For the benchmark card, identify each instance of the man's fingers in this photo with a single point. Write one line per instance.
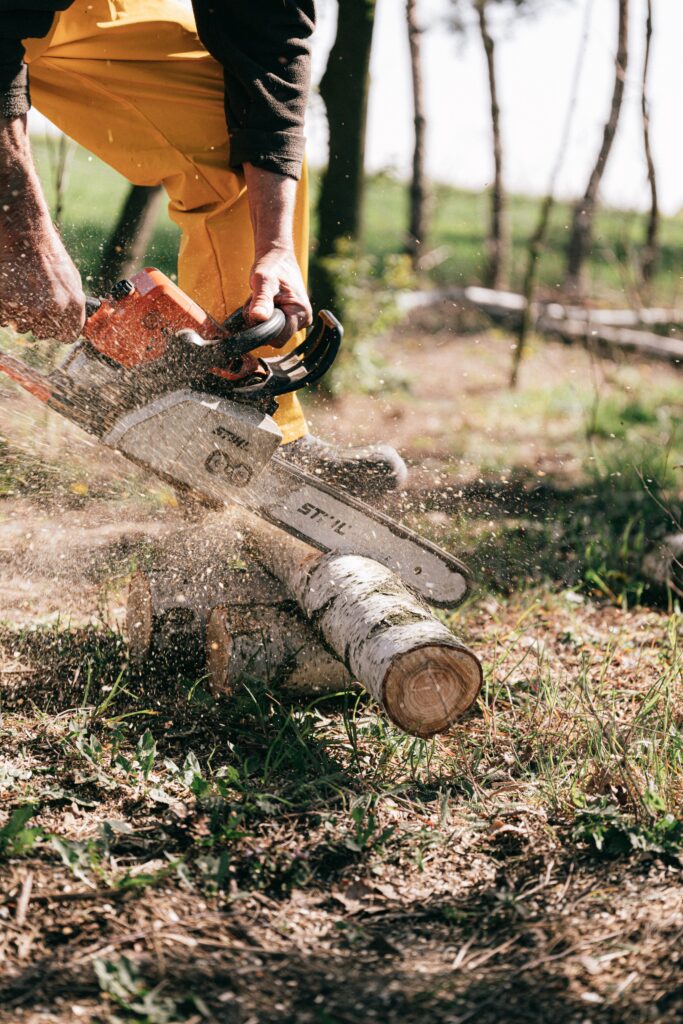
(264, 290)
(294, 322)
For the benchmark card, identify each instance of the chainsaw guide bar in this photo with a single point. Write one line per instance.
(226, 451)
(156, 379)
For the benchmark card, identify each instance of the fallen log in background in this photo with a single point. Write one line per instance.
(422, 676)
(608, 332)
(614, 340)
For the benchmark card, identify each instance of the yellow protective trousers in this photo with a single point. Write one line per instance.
(130, 81)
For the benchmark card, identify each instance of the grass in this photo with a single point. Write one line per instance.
(94, 194)
(168, 858)
(183, 801)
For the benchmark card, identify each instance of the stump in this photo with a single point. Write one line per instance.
(234, 625)
(271, 644)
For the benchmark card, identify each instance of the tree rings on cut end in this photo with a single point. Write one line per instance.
(427, 689)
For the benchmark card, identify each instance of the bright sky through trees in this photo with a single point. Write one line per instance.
(537, 57)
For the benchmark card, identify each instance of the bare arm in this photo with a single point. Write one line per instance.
(275, 278)
(40, 288)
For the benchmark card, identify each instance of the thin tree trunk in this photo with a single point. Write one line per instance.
(538, 238)
(650, 250)
(344, 90)
(130, 238)
(582, 221)
(417, 228)
(497, 243)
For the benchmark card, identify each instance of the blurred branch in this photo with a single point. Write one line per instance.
(130, 238)
(582, 221)
(650, 250)
(538, 239)
(60, 153)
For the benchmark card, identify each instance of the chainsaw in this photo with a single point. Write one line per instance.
(160, 381)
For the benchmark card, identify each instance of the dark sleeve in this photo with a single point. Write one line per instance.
(25, 21)
(264, 47)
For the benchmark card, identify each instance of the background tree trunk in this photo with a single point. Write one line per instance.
(537, 241)
(344, 89)
(417, 227)
(497, 242)
(651, 248)
(126, 248)
(582, 221)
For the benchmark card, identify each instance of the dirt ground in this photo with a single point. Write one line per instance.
(187, 861)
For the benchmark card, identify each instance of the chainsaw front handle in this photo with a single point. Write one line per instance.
(243, 337)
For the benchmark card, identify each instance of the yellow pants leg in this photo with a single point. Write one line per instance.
(130, 81)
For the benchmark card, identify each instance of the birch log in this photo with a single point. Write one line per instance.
(415, 668)
(168, 609)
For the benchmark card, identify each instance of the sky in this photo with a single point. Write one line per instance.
(536, 60)
(537, 56)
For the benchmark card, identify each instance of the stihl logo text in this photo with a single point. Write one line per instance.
(313, 512)
(239, 442)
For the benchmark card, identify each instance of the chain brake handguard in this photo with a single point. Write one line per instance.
(245, 375)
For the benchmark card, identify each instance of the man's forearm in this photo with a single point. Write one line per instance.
(40, 288)
(272, 198)
(23, 210)
(276, 278)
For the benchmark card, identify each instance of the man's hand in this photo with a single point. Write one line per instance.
(275, 278)
(40, 288)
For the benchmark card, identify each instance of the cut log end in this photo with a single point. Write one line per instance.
(429, 688)
(272, 644)
(139, 617)
(219, 652)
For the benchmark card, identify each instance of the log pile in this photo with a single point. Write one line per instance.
(610, 332)
(300, 620)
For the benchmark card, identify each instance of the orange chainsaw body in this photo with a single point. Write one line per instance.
(134, 328)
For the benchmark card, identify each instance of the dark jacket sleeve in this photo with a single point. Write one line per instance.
(21, 21)
(264, 47)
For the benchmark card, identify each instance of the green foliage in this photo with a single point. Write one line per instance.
(123, 983)
(366, 834)
(363, 299)
(458, 229)
(15, 838)
(612, 832)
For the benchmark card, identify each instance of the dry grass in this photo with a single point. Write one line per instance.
(168, 859)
